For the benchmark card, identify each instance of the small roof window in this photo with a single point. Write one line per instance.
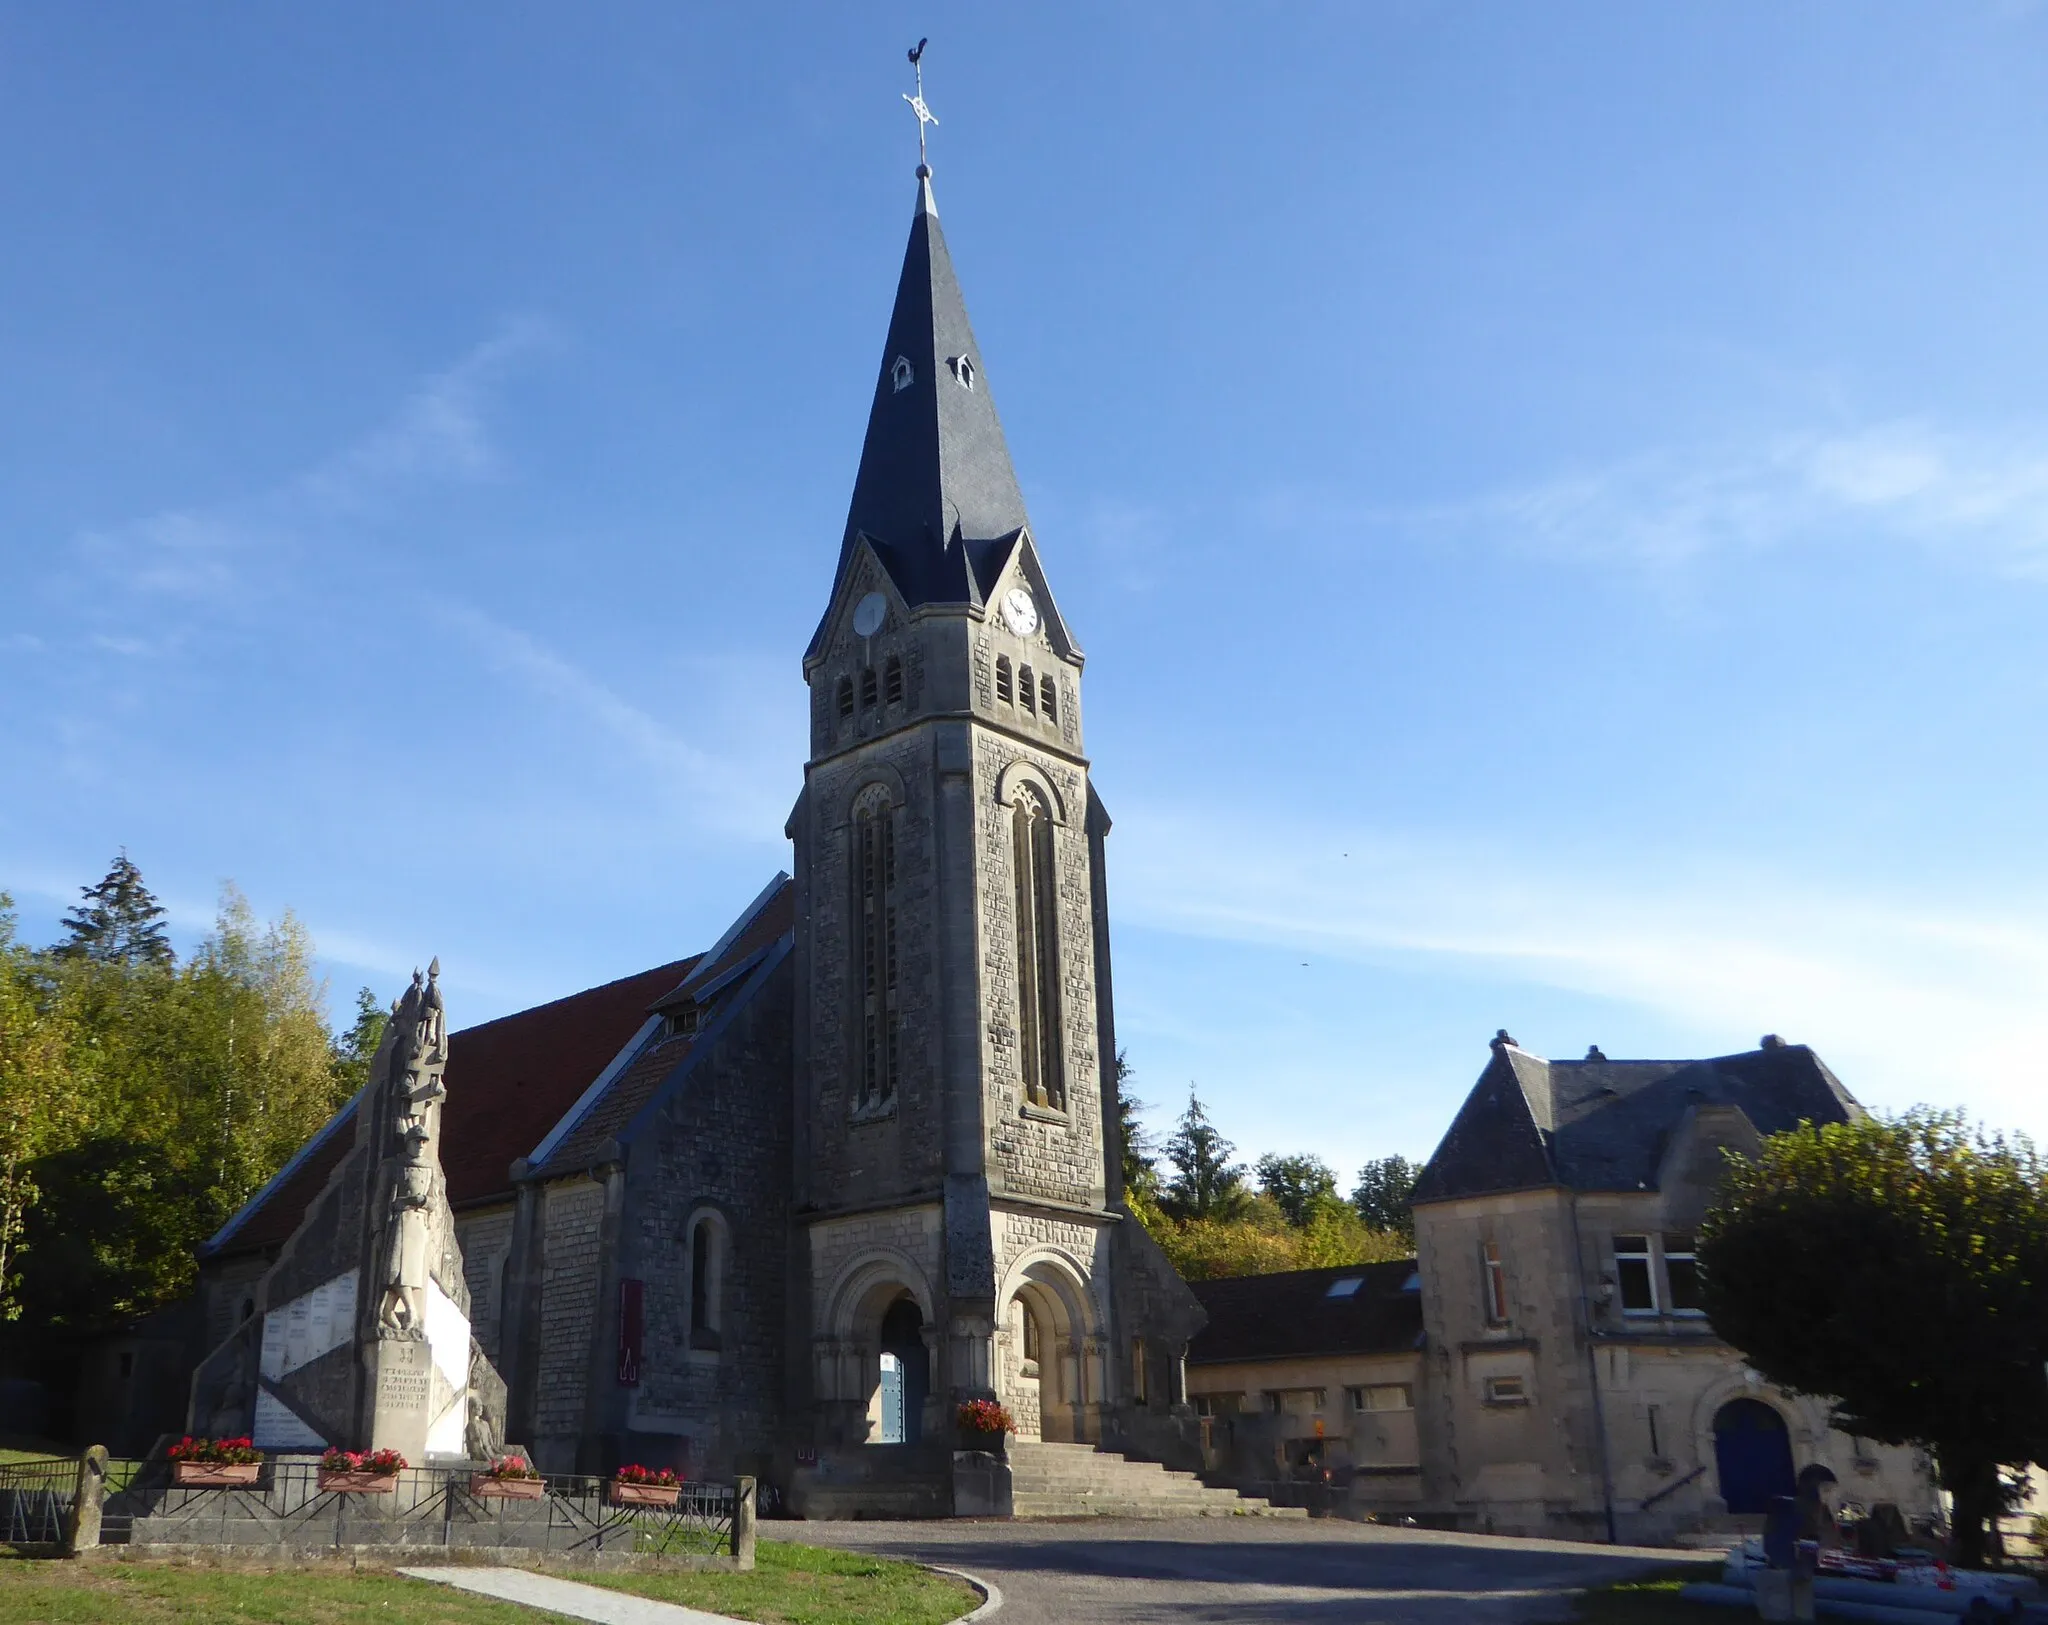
(902, 374)
(963, 369)
(1413, 1283)
(1346, 1288)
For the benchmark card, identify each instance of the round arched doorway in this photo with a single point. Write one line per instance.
(905, 1375)
(1753, 1453)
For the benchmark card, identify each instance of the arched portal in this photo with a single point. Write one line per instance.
(903, 1375)
(1753, 1453)
(1051, 1376)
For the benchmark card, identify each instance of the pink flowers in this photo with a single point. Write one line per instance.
(634, 1473)
(215, 1452)
(512, 1467)
(985, 1416)
(382, 1462)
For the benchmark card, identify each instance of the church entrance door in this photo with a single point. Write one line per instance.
(1754, 1454)
(905, 1374)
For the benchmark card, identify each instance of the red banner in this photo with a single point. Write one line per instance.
(632, 1331)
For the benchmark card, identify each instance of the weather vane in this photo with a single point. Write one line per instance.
(924, 114)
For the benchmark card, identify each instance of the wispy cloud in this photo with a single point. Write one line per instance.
(1910, 1003)
(208, 555)
(1981, 498)
(738, 794)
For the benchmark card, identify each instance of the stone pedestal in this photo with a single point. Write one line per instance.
(399, 1373)
(981, 1485)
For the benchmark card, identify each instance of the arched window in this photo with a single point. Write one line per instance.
(1003, 691)
(1026, 693)
(1038, 959)
(1048, 698)
(874, 828)
(892, 681)
(867, 688)
(845, 699)
(707, 1282)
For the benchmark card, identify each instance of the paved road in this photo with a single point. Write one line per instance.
(1247, 1571)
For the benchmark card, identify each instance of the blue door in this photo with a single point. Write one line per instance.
(1754, 1454)
(892, 1399)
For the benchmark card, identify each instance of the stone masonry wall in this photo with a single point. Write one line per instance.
(568, 1302)
(486, 1241)
(719, 1142)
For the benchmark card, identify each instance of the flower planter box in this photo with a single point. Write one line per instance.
(215, 1475)
(994, 1444)
(644, 1495)
(358, 1483)
(506, 1489)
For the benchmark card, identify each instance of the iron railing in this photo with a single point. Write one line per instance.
(35, 1500)
(425, 1507)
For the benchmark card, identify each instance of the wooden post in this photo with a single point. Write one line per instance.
(82, 1533)
(743, 1523)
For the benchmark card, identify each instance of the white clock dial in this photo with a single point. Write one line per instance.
(1020, 614)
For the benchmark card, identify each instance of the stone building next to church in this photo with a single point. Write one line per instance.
(780, 1207)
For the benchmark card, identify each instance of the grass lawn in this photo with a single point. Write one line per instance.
(793, 1585)
(809, 1585)
(1654, 1600)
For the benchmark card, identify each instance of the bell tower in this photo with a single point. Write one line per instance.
(956, 1161)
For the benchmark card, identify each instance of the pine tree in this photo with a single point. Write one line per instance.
(1206, 1184)
(119, 921)
(353, 1050)
(1141, 1170)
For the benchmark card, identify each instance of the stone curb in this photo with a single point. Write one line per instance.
(991, 1595)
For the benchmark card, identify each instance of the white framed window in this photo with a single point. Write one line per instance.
(1507, 1391)
(1682, 1274)
(1634, 1275)
(1493, 1285)
(1383, 1396)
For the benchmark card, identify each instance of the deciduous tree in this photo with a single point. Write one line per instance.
(1901, 1268)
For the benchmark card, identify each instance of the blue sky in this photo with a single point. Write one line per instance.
(1555, 499)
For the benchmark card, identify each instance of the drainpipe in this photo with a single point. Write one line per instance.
(1593, 1371)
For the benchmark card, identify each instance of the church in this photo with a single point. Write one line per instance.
(766, 1208)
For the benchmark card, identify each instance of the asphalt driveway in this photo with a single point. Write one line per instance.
(1236, 1571)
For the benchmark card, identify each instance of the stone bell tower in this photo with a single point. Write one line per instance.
(954, 1181)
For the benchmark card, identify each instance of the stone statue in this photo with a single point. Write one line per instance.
(418, 1058)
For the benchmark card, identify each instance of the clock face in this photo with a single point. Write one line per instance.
(1020, 614)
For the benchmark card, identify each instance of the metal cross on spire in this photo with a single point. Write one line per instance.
(924, 114)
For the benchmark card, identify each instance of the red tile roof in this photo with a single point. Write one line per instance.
(509, 1082)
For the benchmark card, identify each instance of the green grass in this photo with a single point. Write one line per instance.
(792, 1585)
(53, 1592)
(1654, 1600)
(809, 1585)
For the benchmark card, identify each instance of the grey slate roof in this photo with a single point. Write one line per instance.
(1292, 1315)
(1601, 1125)
(936, 496)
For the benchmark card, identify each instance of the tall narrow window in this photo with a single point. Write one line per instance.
(1140, 1388)
(1003, 690)
(1493, 1285)
(892, 681)
(1632, 1274)
(1682, 1275)
(1038, 961)
(1048, 698)
(875, 919)
(845, 699)
(867, 688)
(707, 1263)
(1026, 693)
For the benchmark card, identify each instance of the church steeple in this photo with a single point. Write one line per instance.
(936, 495)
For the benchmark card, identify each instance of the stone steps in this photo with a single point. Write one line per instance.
(1076, 1480)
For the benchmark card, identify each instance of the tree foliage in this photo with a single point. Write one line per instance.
(1900, 1267)
(1300, 1186)
(1206, 1184)
(1385, 1194)
(1295, 1221)
(143, 1100)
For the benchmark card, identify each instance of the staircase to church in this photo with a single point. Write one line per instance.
(1079, 1481)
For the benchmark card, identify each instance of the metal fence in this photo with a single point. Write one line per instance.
(35, 1500)
(424, 1507)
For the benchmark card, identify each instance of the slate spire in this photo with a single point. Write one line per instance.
(936, 492)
